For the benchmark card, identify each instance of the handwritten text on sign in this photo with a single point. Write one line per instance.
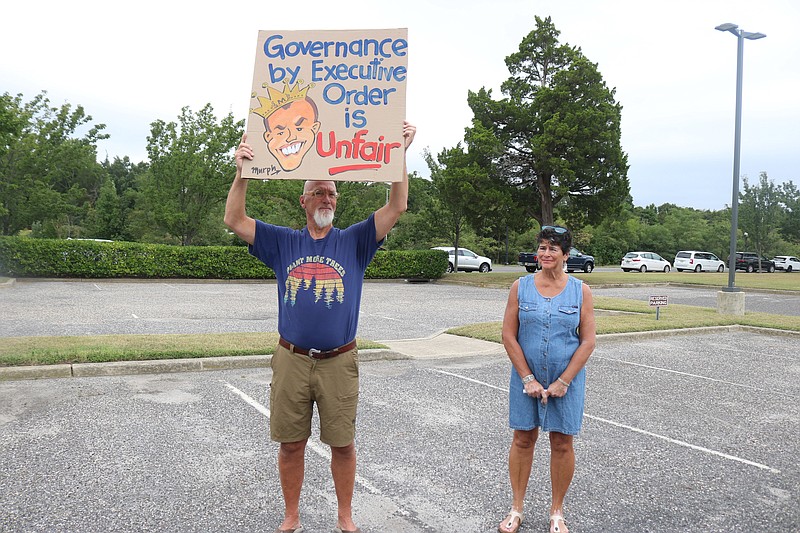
(328, 105)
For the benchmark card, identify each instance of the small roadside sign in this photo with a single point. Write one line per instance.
(658, 302)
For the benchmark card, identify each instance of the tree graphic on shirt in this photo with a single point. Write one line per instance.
(324, 280)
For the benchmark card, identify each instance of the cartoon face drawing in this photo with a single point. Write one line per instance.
(290, 132)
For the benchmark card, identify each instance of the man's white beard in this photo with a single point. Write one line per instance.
(323, 219)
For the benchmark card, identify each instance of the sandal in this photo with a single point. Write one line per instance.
(555, 527)
(512, 515)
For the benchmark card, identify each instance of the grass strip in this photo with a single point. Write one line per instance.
(638, 316)
(779, 281)
(18, 351)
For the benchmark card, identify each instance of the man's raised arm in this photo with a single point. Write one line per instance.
(235, 213)
(388, 215)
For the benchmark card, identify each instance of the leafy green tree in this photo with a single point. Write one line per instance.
(790, 198)
(277, 202)
(14, 118)
(459, 182)
(420, 227)
(498, 212)
(49, 175)
(105, 219)
(718, 233)
(357, 200)
(191, 167)
(125, 177)
(560, 128)
(760, 212)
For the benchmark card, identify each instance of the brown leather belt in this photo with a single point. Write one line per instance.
(317, 354)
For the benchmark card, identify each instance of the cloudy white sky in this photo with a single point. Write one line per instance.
(132, 63)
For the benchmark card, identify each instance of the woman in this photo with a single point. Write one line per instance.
(548, 333)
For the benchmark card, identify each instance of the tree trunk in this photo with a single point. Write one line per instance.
(547, 202)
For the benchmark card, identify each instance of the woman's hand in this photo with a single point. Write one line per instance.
(535, 389)
(556, 389)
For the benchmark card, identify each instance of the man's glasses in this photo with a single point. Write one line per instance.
(558, 229)
(320, 194)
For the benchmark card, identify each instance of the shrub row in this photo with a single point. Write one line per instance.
(56, 258)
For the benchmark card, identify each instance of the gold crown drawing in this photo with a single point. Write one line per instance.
(276, 99)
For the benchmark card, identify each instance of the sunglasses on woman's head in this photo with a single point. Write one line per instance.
(557, 229)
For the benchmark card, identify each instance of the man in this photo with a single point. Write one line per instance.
(320, 273)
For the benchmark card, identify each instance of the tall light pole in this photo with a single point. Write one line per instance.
(741, 35)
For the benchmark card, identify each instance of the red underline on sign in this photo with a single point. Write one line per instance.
(347, 168)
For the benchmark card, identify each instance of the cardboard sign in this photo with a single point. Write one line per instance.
(328, 105)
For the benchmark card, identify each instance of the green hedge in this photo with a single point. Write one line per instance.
(56, 258)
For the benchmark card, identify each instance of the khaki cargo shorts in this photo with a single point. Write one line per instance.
(298, 382)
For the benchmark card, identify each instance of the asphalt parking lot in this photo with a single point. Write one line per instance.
(679, 434)
(686, 432)
(389, 310)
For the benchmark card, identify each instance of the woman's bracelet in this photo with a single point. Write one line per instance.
(527, 379)
(562, 382)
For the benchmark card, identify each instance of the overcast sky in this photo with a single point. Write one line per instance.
(132, 63)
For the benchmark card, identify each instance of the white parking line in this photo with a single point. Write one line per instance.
(314, 444)
(698, 376)
(680, 373)
(362, 313)
(504, 389)
(637, 430)
(686, 444)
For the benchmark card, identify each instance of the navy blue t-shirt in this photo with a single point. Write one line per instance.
(319, 281)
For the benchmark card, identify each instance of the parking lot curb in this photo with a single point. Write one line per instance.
(695, 331)
(13, 373)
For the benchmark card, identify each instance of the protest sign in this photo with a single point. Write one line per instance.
(328, 105)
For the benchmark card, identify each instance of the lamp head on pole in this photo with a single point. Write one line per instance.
(728, 27)
(734, 29)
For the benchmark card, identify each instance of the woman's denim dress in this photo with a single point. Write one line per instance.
(548, 334)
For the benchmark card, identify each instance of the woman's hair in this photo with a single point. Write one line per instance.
(557, 235)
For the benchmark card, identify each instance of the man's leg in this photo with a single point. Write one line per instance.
(343, 469)
(291, 467)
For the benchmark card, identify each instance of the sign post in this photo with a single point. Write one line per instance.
(658, 302)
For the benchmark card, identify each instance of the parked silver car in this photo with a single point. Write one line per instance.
(467, 260)
(644, 261)
(698, 262)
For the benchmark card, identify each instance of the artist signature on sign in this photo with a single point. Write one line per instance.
(271, 170)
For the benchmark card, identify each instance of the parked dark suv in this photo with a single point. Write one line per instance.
(748, 261)
(578, 260)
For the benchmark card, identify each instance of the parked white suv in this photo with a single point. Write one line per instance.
(786, 262)
(467, 260)
(698, 262)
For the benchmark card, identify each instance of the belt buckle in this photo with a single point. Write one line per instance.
(312, 352)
